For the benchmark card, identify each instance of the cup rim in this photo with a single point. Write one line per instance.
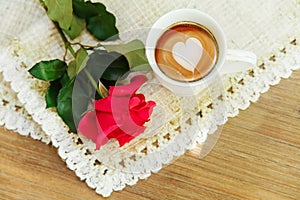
(180, 15)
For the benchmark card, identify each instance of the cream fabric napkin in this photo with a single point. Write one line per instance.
(269, 28)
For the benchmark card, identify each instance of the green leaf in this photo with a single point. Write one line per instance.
(82, 96)
(117, 68)
(48, 70)
(109, 66)
(64, 79)
(75, 28)
(64, 105)
(134, 51)
(103, 26)
(51, 94)
(95, 66)
(102, 64)
(75, 66)
(60, 11)
(72, 69)
(100, 22)
(87, 9)
(81, 59)
(145, 67)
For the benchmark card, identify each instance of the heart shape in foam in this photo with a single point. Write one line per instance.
(188, 54)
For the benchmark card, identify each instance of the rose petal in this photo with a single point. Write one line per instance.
(106, 121)
(103, 104)
(127, 90)
(124, 138)
(121, 115)
(136, 118)
(102, 139)
(88, 126)
(121, 136)
(142, 115)
(137, 101)
(147, 110)
(112, 104)
(132, 129)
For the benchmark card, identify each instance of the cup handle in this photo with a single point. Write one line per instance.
(238, 61)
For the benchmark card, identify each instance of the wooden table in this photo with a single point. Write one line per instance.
(256, 157)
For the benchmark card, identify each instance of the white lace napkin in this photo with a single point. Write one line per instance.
(269, 28)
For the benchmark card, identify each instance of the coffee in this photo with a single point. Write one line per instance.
(186, 52)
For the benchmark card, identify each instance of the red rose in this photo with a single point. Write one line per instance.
(121, 115)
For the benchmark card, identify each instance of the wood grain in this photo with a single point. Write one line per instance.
(257, 157)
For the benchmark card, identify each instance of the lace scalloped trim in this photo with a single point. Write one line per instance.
(13, 115)
(112, 168)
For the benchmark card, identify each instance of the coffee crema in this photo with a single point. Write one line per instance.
(186, 52)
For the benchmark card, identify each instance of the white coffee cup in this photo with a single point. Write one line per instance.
(228, 61)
